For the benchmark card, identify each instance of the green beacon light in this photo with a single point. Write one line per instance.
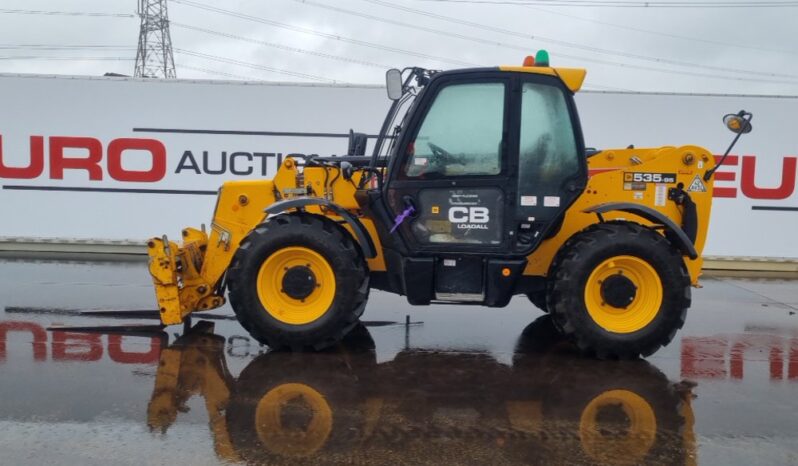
(542, 58)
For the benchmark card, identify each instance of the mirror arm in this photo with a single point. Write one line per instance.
(743, 114)
(389, 117)
(422, 77)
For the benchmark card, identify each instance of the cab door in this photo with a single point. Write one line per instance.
(551, 166)
(450, 167)
(490, 163)
(487, 166)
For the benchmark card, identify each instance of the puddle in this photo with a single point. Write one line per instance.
(458, 386)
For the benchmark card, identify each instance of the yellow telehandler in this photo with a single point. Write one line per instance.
(483, 191)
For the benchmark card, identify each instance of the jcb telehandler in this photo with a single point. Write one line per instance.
(485, 191)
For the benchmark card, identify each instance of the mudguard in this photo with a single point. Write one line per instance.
(363, 238)
(673, 231)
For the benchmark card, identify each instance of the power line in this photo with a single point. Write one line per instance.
(216, 72)
(63, 47)
(311, 52)
(39, 57)
(67, 13)
(314, 32)
(369, 44)
(182, 65)
(628, 4)
(682, 73)
(599, 87)
(298, 50)
(500, 30)
(255, 66)
(280, 46)
(183, 52)
(197, 54)
(660, 33)
(524, 35)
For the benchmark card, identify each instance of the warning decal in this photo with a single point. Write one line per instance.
(660, 195)
(697, 186)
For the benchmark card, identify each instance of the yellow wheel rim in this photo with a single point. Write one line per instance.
(643, 307)
(287, 440)
(293, 309)
(627, 447)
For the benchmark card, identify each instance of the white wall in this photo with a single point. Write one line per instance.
(106, 109)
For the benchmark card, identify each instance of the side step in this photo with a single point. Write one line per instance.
(460, 297)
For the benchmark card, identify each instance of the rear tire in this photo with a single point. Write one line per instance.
(298, 281)
(619, 290)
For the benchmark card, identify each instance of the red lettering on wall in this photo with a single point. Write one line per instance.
(785, 189)
(91, 163)
(69, 346)
(155, 148)
(34, 169)
(118, 354)
(721, 175)
(39, 338)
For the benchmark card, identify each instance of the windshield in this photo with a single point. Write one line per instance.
(461, 133)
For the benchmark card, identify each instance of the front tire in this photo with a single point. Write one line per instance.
(620, 290)
(298, 281)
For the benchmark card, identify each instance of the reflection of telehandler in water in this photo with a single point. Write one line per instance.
(428, 407)
(193, 365)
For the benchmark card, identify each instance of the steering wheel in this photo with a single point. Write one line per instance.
(442, 156)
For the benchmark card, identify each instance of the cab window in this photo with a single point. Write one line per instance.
(461, 134)
(548, 153)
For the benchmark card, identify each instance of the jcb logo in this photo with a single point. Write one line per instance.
(469, 215)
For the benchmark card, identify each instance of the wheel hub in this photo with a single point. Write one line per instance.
(299, 282)
(618, 291)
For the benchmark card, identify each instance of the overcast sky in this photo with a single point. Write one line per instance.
(725, 50)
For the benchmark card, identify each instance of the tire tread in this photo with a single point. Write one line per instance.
(565, 296)
(348, 261)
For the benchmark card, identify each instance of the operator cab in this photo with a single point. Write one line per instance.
(484, 167)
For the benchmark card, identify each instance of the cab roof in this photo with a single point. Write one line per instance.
(571, 77)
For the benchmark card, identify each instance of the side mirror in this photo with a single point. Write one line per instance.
(393, 82)
(737, 123)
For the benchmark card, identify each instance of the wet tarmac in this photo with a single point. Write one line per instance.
(459, 385)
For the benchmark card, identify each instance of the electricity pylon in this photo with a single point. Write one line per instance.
(154, 58)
